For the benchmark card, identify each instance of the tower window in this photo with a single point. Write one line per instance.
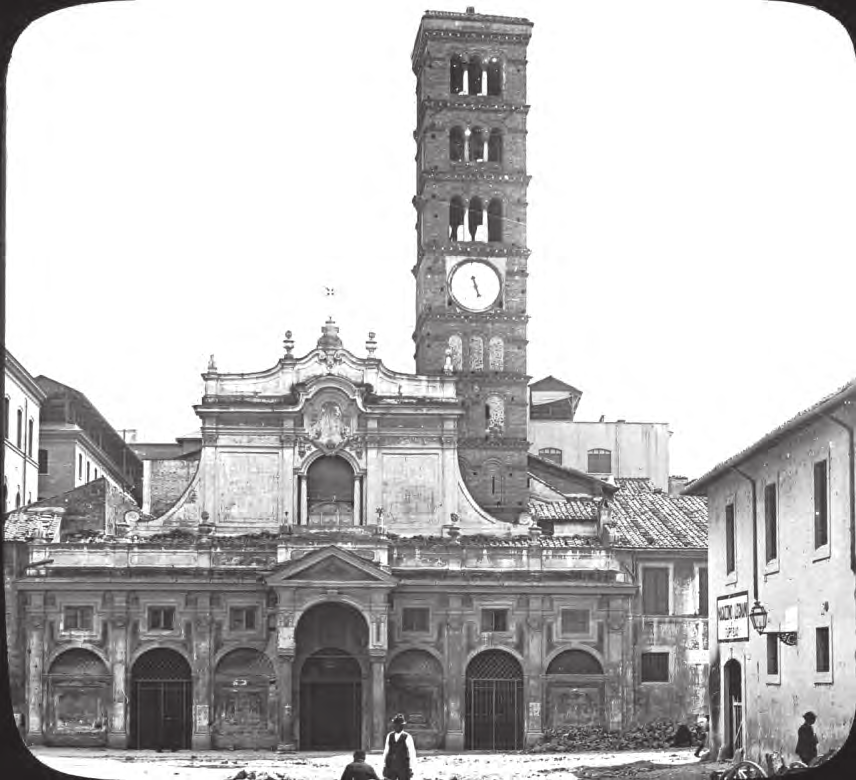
(476, 144)
(456, 216)
(494, 146)
(456, 347)
(495, 413)
(456, 75)
(599, 461)
(456, 144)
(475, 218)
(476, 353)
(474, 75)
(496, 354)
(494, 76)
(494, 220)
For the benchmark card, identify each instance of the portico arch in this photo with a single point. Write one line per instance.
(78, 698)
(574, 694)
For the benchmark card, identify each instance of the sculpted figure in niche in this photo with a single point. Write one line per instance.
(330, 428)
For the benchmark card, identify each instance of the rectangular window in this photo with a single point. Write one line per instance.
(415, 619)
(821, 534)
(729, 538)
(494, 620)
(242, 619)
(822, 649)
(770, 521)
(655, 590)
(6, 418)
(43, 461)
(702, 591)
(77, 618)
(599, 461)
(80, 466)
(30, 438)
(772, 654)
(162, 618)
(88, 464)
(655, 667)
(19, 430)
(575, 621)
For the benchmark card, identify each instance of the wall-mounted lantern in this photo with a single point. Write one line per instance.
(758, 616)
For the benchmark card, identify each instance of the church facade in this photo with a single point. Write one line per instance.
(348, 542)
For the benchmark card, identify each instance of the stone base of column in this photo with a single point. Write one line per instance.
(118, 741)
(454, 741)
(533, 737)
(200, 742)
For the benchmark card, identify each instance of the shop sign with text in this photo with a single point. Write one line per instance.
(732, 617)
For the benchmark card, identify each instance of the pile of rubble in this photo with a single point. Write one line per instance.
(243, 774)
(652, 736)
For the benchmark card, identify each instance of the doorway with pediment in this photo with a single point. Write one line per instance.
(332, 669)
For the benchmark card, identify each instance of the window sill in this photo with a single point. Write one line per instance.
(773, 679)
(731, 579)
(655, 682)
(823, 679)
(820, 554)
(771, 567)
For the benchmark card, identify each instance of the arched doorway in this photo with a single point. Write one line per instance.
(331, 641)
(733, 719)
(574, 690)
(494, 702)
(416, 690)
(245, 702)
(161, 700)
(330, 491)
(78, 699)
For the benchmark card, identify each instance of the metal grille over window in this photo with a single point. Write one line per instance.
(496, 354)
(655, 667)
(476, 353)
(495, 414)
(457, 347)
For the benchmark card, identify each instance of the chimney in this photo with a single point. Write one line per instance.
(676, 485)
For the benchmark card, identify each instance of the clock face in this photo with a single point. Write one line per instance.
(475, 285)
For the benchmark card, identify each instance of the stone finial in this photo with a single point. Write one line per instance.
(330, 340)
(212, 366)
(288, 344)
(371, 344)
(448, 366)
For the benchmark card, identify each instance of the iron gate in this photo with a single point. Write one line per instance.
(161, 701)
(494, 702)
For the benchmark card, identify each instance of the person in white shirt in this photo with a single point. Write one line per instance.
(399, 752)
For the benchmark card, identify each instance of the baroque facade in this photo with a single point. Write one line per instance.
(344, 541)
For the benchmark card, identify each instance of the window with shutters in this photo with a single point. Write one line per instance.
(702, 591)
(771, 520)
(822, 650)
(415, 620)
(575, 621)
(599, 461)
(161, 618)
(655, 667)
(772, 656)
(821, 504)
(77, 618)
(494, 620)
(729, 539)
(655, 590)
(243, 618)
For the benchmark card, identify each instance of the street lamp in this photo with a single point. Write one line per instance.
(758, 616)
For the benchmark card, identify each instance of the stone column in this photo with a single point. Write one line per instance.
(35, 692)
(201, 739)
(535, 680)
(285, 684)
(304, 501)
(455, 678)
(117, 737)
(378, 709)
(358, 500)
(618, 629)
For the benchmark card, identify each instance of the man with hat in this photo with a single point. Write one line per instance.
(807, 739)
(399, 752)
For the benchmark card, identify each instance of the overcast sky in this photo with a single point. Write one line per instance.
(185, 177)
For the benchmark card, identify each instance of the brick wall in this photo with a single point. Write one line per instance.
(169, 479)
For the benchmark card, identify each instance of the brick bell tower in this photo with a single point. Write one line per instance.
(470, 271)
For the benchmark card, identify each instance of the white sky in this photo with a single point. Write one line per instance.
(186, 175)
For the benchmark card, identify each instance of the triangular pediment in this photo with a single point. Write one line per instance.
(332, 565)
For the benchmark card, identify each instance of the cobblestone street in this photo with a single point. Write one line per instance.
(219, 765)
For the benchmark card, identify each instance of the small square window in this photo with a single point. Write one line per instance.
(822, 649)
(575, 621)
(415, 619)
(77, 618)
(494, 620)
(655, 667)
(242, 619)
(772, 654)
(161, 618)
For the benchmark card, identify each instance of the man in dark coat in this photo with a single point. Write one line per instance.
(358, 769)
(399, 752)
(807, 739)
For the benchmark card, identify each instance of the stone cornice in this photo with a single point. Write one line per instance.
(473, 249)
(469, 36)
(475, 174)
(497, 315)
(499, 443)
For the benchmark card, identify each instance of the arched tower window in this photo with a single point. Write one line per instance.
(456, 346)
(456, 74)
(495, 415)
(494, 146)
(456, 216)
(474, 73)
(494, 471)
(494, 76)
(456, 144)
(476, 353)
(475, 218)
(496, 354)
(476, 144)
(494, 220)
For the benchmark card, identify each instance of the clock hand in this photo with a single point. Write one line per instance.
(476, 287)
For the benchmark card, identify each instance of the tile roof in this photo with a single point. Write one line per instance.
(843, 395)
(25, 526)
(551, 383)
(644, 516)
(583, 508)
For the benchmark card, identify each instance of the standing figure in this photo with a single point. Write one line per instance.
(399, 752)
(358, 769)
(807, 739)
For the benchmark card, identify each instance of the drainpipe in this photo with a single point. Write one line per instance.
(851, 450)
(754, 531)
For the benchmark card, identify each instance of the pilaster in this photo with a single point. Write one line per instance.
(117, 737)
(35, 668)
(454, 678)
(378, 664)
(201, 739)
(535, 678)
(285, 684)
